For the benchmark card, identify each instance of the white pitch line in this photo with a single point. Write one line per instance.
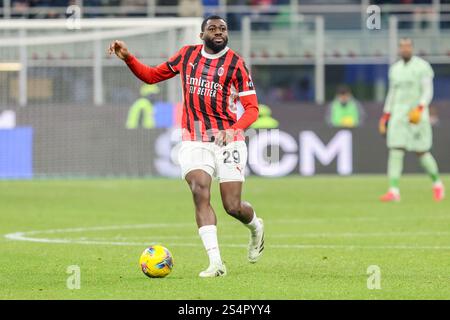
(24, 236)
(280, 236)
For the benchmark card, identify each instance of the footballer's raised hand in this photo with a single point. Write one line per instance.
(224, 137)
(415, 114)
(119, 48)
(383, 123)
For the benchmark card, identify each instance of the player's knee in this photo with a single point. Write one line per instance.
(200, 193)
(232, 206)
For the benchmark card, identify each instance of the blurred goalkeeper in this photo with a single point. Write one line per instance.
(406, 119)
(213, 78)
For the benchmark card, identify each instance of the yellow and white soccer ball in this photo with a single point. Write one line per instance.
(156, 261)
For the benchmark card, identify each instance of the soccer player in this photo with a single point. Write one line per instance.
(406, 119)
(213, 77)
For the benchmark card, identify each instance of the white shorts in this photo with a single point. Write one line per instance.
(227, 163)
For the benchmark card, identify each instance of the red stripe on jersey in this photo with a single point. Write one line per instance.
(192, 69)
(188, 118)
(199, 106)
(230, 114)
(223, 100)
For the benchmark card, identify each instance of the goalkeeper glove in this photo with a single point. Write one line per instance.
(416, 114)
(383, 123)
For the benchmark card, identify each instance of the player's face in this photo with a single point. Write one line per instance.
(406, 49)
(344, 97)
(215, 35)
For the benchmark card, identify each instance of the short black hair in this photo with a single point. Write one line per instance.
(213, 17)
(407, 39)
(343, 89)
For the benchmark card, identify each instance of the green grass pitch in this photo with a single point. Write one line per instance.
(322, 234)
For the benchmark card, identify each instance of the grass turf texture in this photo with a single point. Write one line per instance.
(321, 236)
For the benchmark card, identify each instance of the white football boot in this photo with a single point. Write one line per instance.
(256, 245)
(214, 270)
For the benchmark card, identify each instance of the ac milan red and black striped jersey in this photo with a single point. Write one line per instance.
(212, 84)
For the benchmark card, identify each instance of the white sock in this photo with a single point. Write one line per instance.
(209, 238)
(395, 191)
(254, 225)
(438, 184)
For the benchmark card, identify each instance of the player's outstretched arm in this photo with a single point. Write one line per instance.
(145, 73)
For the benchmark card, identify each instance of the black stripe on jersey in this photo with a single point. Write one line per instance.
(198, 134)
(204, 74)
(228, 78)
(246, 69)
(214, 105)
(187, 55)
(239, 80)
(175, 62)
(252, 85)
(170, 67)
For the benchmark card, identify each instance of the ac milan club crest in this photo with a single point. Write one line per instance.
(220, 71)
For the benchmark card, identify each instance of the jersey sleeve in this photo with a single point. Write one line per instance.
(427, 85)
(161, 72)
(247, 95)
(428, 71)
(175, 62)
(390, 96)
(148, 74)
(243, 80)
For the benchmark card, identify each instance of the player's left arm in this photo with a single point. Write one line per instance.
(247, 95)
(427, 95)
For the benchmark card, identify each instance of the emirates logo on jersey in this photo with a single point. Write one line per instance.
(203, 87)
(220, 71)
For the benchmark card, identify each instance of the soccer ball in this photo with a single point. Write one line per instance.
(156, 261)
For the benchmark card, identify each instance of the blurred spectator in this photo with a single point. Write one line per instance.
(167, 3)
(234, 19)
(262, 8)
(345, 111)
(19, 8)
(142, 12)
(94, 3)
(62, 4)
(190, 8)
(35, 5)
(265, 119)
(303, 90)
(210, 7)
(423, 16)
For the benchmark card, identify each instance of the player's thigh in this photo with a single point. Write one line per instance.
(199, 182)
(196, 155)
(421, 138)
(231, 161)
(398, 134)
